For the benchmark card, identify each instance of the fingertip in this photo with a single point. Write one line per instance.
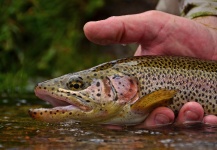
(91, 26)
(87, 26)
(90, 30)
(101, 32)
(210, 120)
(191, 112)
(161, 116)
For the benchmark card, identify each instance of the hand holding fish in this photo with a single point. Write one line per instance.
(159, 33)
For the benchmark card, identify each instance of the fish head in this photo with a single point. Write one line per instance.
(85, 96)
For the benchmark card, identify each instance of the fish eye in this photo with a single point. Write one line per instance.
(75, 84)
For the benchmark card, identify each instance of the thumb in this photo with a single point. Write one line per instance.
(125, 29)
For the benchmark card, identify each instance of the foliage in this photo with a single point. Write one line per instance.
(43, 38)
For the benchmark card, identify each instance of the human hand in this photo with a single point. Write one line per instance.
(159, 33)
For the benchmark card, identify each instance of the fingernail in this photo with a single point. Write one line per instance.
(191, 116)
(161, 119)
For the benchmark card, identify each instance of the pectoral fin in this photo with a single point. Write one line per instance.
(157, 98)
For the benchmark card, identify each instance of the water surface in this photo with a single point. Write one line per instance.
(19, 131)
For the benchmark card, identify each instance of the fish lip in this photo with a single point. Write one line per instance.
(57, 101)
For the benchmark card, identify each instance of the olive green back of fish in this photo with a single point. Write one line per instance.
(195, 79)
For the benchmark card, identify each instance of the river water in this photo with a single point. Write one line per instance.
(19, 131)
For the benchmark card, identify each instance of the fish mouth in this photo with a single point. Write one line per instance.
(62, 99)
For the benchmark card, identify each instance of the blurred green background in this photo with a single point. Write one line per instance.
(42, 39)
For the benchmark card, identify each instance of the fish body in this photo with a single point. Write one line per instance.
(125, 91)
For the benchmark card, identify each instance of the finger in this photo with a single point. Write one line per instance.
(126, 29)
(190, 113)
(161, 116)
(210, 120)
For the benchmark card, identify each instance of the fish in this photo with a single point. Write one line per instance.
(125, 91)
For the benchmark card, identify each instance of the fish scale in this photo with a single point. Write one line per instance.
(194, 78)
(125, 91)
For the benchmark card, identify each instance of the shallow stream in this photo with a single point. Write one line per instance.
(19, 131)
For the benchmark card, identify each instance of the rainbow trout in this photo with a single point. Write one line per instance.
(125, 91)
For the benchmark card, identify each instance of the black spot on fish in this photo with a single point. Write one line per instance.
(131, 81)
(35, 113)
(116, 98)
(98, 94)
(97, 84)
(41, 113)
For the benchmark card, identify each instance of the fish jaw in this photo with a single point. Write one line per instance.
(65, 102)
(54, 115)
(62, 97)
(70, 112)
